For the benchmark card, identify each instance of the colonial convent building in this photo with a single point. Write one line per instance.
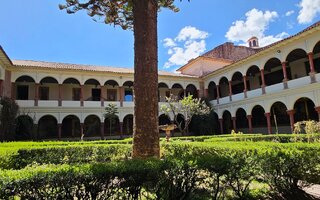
(252, 89)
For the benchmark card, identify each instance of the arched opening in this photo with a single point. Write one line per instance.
(25, 88)
(164, 92)
(111, 126)
(49, 89)
(192, 90)
(127, 125)
(280, 117)
(216, 124)
(47, 127)
(224, 87)
(273, 72)
(305, 110)
(91, 126)
(91, 90)
(227, 122)
(212, 91)
(128, 91)
(297, 64)
(71, 89)
(177, 91)
(253, 78)
(316, 57)
(71, 127)
(24, 128)
(164, 120)
(259, 120)
(180, 120)
(112, 88)
(237, 83)
(241, 120)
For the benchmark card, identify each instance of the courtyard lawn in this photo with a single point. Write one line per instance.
(206, 167)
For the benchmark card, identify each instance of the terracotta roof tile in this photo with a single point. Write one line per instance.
(67, 66)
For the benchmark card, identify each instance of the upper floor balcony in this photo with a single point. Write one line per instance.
(298, 69)
(49, 93)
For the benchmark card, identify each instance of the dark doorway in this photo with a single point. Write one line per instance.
(22, 92)
(96, 92)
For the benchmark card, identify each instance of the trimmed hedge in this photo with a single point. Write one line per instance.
(195, 170)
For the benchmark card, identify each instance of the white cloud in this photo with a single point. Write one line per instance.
(256, 24)
(188, 44)
(289, 13)
(309, 9)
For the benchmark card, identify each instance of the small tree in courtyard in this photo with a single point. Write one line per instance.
(111, 115)
(187, 106)
(8, 116)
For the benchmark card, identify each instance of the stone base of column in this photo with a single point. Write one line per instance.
(312, 77)
(263, 88)
(285, 84)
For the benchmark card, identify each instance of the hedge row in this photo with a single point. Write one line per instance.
(197, 170)
(75, 154)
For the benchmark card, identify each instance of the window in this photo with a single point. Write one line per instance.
(111, 95)
(22, 92)
(44, 93)
(75, 94)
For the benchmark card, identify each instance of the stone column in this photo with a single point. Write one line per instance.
(36, 94)
(268, 122)
(263, 86)
(249, 117)
(102, 130)
(245, 86)
(121, 129)
(312, 71)
(101, 95)
(285, 76)
(59, 130)
(318, 111)
(81, 95)
(121, 91)
(291, 116)
(218, 94)
(230, 90)
(234, 123)
(221, 125)
(13, 91)
(60, 95)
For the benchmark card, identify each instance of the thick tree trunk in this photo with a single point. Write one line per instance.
(146, 132)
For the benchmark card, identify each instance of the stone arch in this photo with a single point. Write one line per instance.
(128, 125)
(47, 127)
(25, 78)
(237, 83)
(223, 87)
(71, 80)
(216, 122)
(25, 88)
(128, 91)
(71, 89)
(115, 126)
(273, 73)
(295, 62)
(253, 78)
(212, 90)
(305, 110)
(241, 120)
(92, 126)
(177, 91)
(280, 117)
(24, 127)
(192, 90)
(227, 122)
(70, 127)
(92, 90)
(259, 120)
(163, 92)
(316, 61)
(49, 88)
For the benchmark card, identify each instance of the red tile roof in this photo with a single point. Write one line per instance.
(93, 68)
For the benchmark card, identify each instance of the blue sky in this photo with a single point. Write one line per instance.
(38, 30)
